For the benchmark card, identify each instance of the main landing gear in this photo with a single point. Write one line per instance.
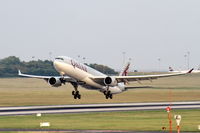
(108, 94)
(76, 93)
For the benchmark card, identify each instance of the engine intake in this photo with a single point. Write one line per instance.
(55, 82)
(111, 81)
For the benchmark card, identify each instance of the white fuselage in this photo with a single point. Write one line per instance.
(80, 72)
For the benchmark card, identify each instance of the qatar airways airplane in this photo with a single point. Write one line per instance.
(80, 74)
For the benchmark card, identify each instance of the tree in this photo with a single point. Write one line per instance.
(103, 69)
(9, 67)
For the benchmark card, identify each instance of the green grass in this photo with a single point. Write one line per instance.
(131, 120)
(23, 91)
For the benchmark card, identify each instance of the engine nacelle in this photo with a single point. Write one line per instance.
(111, 81)
(55, 82)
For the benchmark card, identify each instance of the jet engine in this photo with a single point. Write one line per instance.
(55, 82)
(110, 81)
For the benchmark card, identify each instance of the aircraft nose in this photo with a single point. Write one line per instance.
(58, 66)
(55, 63)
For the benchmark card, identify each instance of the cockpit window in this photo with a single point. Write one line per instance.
(59, 58)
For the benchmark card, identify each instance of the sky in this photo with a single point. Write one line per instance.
(155, 34)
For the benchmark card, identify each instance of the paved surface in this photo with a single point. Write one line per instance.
(82, 131)
(27, 110)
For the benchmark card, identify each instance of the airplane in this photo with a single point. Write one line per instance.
(79, 74)
(182, 71)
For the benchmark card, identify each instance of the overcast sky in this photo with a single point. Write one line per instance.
(101, 30)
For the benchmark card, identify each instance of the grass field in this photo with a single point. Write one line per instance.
(23, 91)
(131, 120)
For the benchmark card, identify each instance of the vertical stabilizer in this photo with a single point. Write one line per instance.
(171, 69)
(124, 71)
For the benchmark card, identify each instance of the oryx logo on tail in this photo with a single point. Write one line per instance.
(124, 72)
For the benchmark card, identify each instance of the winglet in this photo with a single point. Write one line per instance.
(190, 71)
(19, 72)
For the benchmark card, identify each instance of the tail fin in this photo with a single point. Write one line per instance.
(190, 71)
(124, 71)
(171, 69)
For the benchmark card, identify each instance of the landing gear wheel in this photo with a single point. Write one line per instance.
(79, 96)
(75, 96)
(108, 95)
(73, 93)
(111, 96)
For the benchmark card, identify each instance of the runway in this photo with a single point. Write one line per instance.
(28, 110)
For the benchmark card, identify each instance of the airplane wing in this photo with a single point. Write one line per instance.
(65, 78)
(32, 76)
(138, 78)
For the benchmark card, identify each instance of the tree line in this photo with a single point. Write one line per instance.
(9, 67)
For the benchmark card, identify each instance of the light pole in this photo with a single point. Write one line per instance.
(188, 54)
(159, 60)
(124, 54)
(185, 56)
(84, 60)
(79, 57)
(50, 56)
(33, 57)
